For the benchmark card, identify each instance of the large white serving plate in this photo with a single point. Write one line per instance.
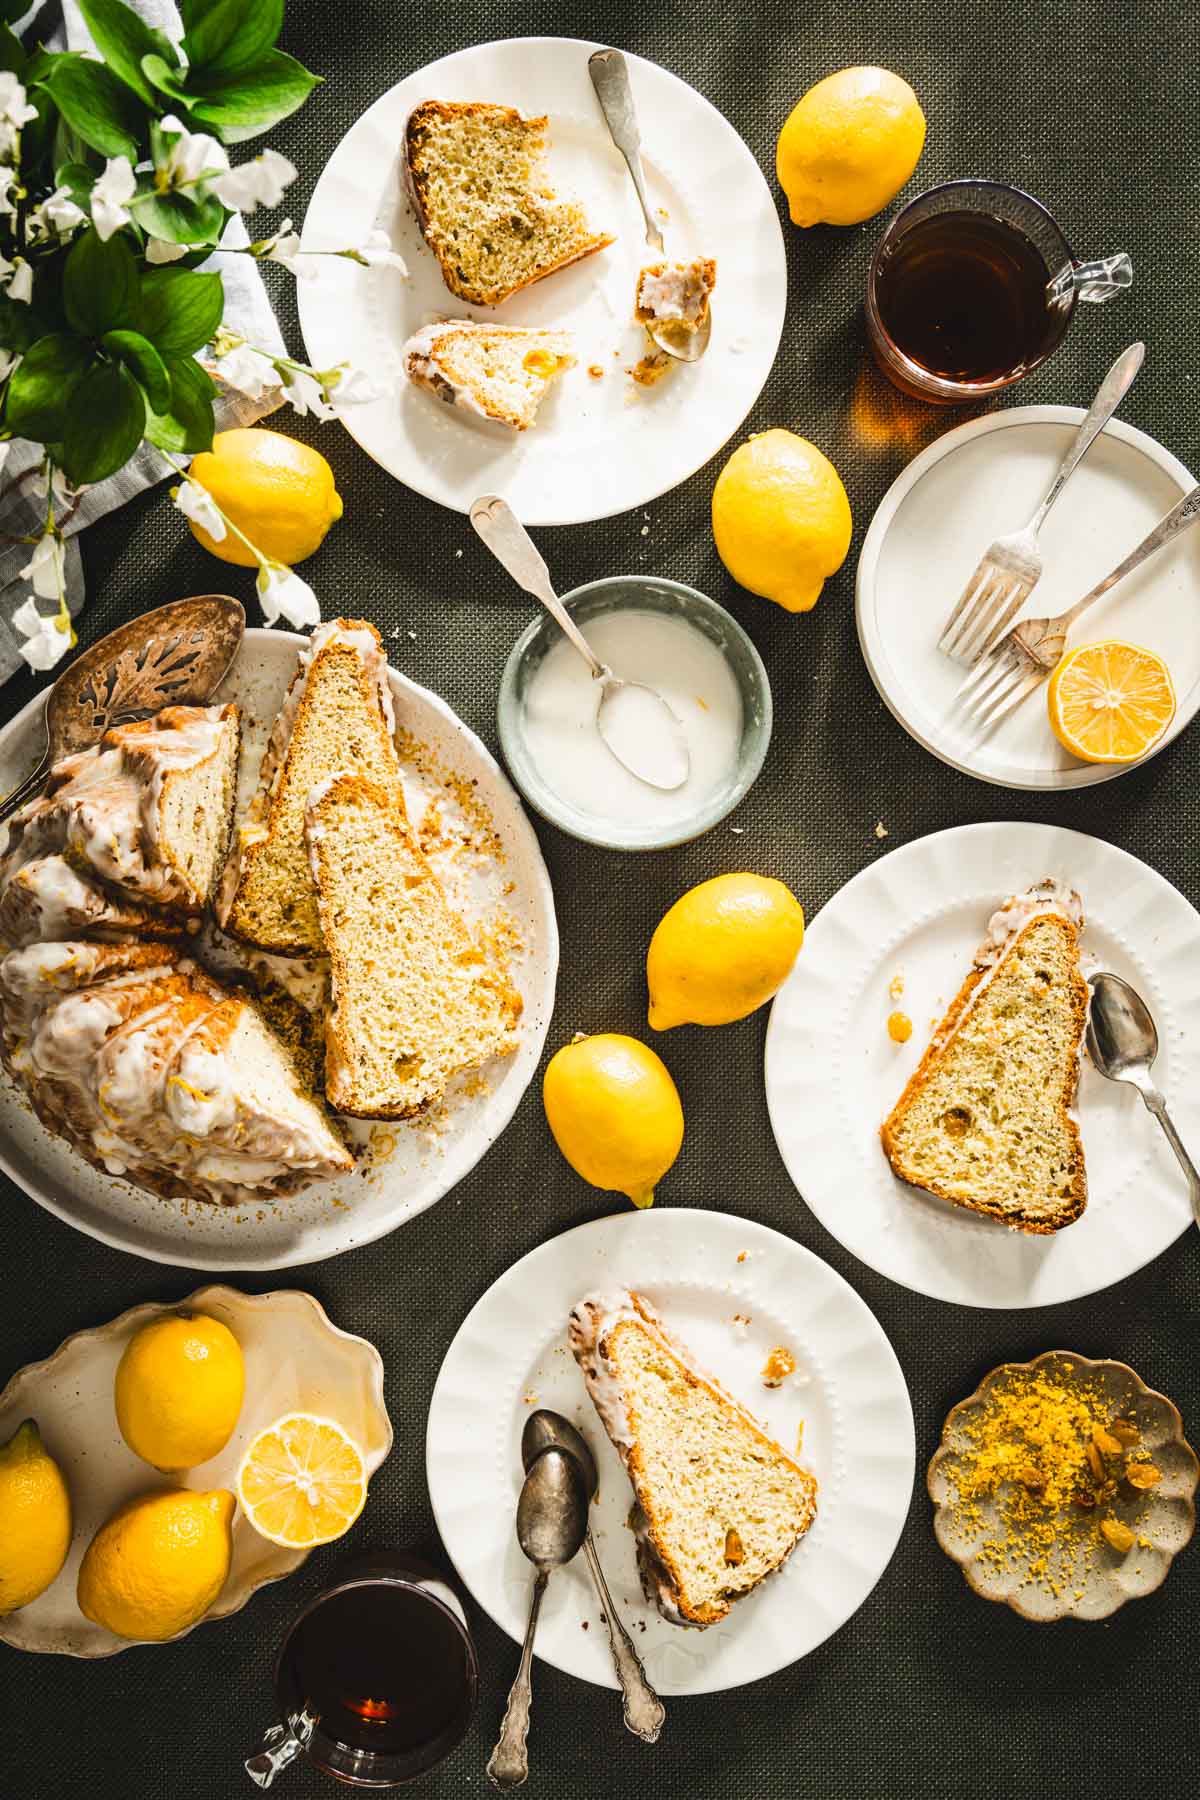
(833, 1074)
(600, 446)
(296, 1361)
(933, 525)
(405, 1167)
(700, 1269)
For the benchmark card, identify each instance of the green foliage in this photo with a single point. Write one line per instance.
(100, 285)
(180, 310)
(105, 423)
(97, 106)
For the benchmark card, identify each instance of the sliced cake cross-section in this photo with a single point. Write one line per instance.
(497, 372)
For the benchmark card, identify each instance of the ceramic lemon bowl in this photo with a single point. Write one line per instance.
(1056, 1562)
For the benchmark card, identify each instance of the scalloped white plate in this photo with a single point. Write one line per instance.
(405, 1166)
(833, 1074)
(296, 1361)
(601, 445)
(511, 1354)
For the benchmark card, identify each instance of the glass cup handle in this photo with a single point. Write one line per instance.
(278, 1747)
(1099, 281)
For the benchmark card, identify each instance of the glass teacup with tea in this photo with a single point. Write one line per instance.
(972, 286)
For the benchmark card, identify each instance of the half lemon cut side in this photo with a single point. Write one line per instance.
(302, 1481)
(1110, 702)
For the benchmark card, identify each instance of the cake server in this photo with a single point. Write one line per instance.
(176, 655)
(1122, 1042)
(644, 1711)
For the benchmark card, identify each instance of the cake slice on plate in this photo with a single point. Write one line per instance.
(415, 1003)
(476, 178)
(719, 1504)
(986, 1120)
(498, 372)
(337, 714)
(676, 294)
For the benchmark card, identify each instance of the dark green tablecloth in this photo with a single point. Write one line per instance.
(928, 1691)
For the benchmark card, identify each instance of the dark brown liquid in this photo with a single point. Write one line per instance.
(964, 295)
(382, 1669)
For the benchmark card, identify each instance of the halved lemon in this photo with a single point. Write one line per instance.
(302, 1481)
(1110, 702)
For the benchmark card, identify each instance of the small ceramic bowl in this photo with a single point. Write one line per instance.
(1163, 1517)
(640, 593)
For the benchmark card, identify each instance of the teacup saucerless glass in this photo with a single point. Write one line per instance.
(377, 1679)
(972, 286)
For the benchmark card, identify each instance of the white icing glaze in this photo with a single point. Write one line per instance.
(424, 367)
(674, 291)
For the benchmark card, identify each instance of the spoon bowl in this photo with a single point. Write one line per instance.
(552, 1510)
(1122, 1042)
(544, 1430)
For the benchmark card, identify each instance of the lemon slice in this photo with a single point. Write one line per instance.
(302, 1481)
(1110, 702)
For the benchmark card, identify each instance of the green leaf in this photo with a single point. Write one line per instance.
(179, 218)
(12, 10)
(180, 310)
(144, 363)
(166, 79)
(78, 178)
(19, 326)
(98, 108)
(106, 423)
(240, 103)
(188, 423)
(122, 39)
(41, 387)
(231, 34)
(100, 284)
(12, 54)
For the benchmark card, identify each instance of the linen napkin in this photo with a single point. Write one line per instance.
(60, 26)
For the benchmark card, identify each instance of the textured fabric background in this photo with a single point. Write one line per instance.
(928, 1691)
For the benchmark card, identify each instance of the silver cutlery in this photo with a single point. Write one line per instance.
(1009, 570)
(1032, 651)
(1123, 1043)
(644, 1711)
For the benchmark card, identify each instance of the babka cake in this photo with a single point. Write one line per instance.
(675, 294)
(497, 372)
(414, 1001)
(719, 1505)
(986, 1119)
(337, 715)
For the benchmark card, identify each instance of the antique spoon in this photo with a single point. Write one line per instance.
(551, 1524)
(644, 1711)
(635, 722)
(610, 78)
(176, 655)
(1123, 1043)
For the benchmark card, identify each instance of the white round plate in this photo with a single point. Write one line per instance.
(977, 483)
(296, 1361)
(599, 446)
(833, 1074)
(704, 1271)
(403, 1166)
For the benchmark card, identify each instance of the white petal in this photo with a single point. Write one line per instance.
(197, 504)
(353, 387)
(258, 183)
(282, 593)
(46, 567)
(306, 394)
(244, 369)
(45, 644)
(20, 286)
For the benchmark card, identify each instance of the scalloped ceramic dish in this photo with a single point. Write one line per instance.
(296, 1361)
(1163, 1517)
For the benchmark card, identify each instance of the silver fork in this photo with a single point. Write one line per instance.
(1009, 570)
(1030, 653)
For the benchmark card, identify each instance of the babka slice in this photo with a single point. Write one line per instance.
(986, 1119)
(497, 372)
(719, 1504)
(48, 898)
(414, 1001)
(337, 715)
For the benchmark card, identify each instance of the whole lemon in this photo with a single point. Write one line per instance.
(722, 950)
(158, 1564)
(279, 492)
(849, 146)
(781, 519)
(614, 1112)
(179, 1390)
(35, 1518)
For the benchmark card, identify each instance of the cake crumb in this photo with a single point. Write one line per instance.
(881, 830)
(800, 1438)
(650, 369)
(741, 1256)
(529, 1399)
(779, 1365)
(740, 1324)
(896, 985)
(597, 374)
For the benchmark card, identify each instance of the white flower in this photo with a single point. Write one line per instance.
(46, 568)
(46, 640)
(377, 253)
(283, 247)
(198, 505)
(305, 393)
(115, 187)
(350, 387)
(64, 493)
(8, 362)
(20, 282)
(4, 450)
(14, 109)
(58, 214)
(248, 371)
(257, 183)
(7, 204)
(160, 250)
(282, 594)
(190, 155)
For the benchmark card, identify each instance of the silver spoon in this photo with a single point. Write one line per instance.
(610, 78)
(1123, 1044)
(551, 1525)
(630, 716)
(176, 655)
(644, 1711)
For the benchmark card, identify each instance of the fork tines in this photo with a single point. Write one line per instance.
(986, 608)
(997, 684)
